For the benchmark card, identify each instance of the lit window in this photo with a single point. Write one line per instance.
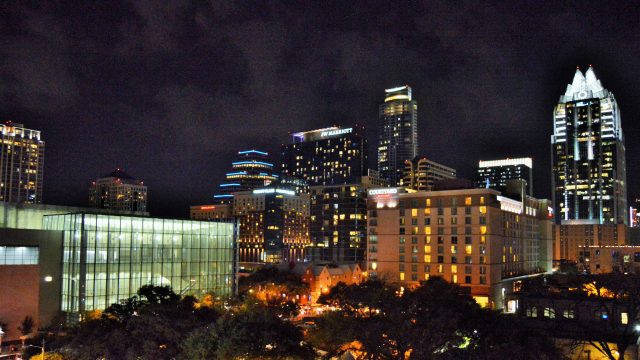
(401, 276)
(467, 200)
(569, 314)
(624, 318)
(549, 313)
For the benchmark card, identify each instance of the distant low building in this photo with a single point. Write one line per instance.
(321, 277)
(579, 242)
(421, 173)
(118, 191)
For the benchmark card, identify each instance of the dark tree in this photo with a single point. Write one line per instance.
(252, 332)
(436, 320)
(26, 326)
(151, 325)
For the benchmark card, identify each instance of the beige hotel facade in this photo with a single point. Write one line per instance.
(476, 238)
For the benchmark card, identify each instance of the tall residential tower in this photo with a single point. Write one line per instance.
(21, 164)
(587, 146)
(397, 132)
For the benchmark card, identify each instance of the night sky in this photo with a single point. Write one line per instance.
(170, 93)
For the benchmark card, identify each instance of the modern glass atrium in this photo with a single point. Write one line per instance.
(107, 258)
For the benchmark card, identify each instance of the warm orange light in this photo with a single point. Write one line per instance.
(207, 207)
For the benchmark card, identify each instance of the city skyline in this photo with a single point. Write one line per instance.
(115, 89)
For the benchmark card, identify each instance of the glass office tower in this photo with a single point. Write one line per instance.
(494, 174)
(107, 258)
(587, 146)
(251, 170)
(397, 133)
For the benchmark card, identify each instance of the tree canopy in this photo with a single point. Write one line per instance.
(436, 320)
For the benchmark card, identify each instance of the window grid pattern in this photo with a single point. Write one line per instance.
(108, 258)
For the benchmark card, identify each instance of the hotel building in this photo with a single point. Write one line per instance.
(21, 164)
(473, 237)
(397, 133)
(330, 156)
(118, 191)
(494, 174)
(421, 173)
(588, 154)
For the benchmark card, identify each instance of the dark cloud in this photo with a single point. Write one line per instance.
(170, 91)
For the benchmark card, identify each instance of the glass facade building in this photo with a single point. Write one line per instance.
(397, 132)
(107, 258)
(251, 170)
(339, 222)
(588, 152)
(494, 174)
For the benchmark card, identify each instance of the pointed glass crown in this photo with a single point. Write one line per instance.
(584, 84)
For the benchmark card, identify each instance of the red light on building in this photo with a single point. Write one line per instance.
(207, 207)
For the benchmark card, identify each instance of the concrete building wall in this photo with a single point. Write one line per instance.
(31, 290)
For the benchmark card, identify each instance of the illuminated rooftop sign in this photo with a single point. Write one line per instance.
(383, 191)
(506, 162)
(336, 132)
(320, 134)
(274, 191)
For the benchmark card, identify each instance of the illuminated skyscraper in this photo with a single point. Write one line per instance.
(334, 162)
(587, 145)
(21, 164)
(330, 156)
(118, 191)
(494, 174)
(251, 170)
(397, 132)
